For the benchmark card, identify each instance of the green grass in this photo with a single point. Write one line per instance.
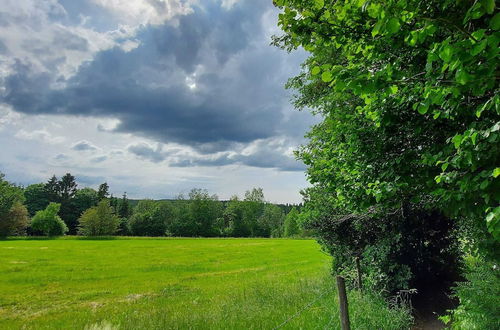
(175, 283)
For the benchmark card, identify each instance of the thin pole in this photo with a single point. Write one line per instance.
(344, 308)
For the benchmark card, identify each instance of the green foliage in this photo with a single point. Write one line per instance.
(103, 191)
(408, 92)
(48, 222)
(99, 220)
(37, 198)
(291, 226)
(13, 214)
(270, 223)
(151, 218)
(203, 211)
(84, 199)
(124, 209)
(479, 298)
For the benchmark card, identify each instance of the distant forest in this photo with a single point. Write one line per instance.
(59, 206)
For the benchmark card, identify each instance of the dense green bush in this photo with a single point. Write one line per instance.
(479, 297)
(48, 223)
(150, 218)
(407, 248)
(99, 220)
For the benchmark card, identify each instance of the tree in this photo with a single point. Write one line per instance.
(408, 93)
(291, 227)
(150, 218)
(48, 222)
(67, 190)
(103, 191)
(235, 224)
(253, 206)
(36, 197)
(204, 210)
(99, 220)
(13, 214)
(270, 223)
(53, 189)
(84, 199)
(124, 207)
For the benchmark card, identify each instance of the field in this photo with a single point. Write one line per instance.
(174, 283)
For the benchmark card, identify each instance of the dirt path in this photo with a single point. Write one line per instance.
(428, 305)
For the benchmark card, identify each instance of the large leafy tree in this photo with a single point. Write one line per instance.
(99, 220)
(204, 210)
(37, 197)
(13, 214)
(408, 92)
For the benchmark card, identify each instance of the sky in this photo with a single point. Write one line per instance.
(155, 97)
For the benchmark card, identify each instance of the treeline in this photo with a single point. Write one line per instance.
(59, 207)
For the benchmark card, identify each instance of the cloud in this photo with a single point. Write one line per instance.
(61, 157)
(84, 146)
(268, 153)
(99, 159)
(147, 152)
(238, 95)
(198, 75)
(39, 135)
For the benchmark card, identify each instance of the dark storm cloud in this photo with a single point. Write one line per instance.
(236, 94)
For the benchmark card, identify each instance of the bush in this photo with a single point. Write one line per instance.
(479, 298)
(48, 222)
(98, 220)
(404, 249)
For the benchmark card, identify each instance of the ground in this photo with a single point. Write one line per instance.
(173, 283)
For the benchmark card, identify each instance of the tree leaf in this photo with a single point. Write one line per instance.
(326, 76)
(496, 172)
(376, 28)
(495, 22)
(488, 5)
(446, 53)
(316, 70)
(393, 25)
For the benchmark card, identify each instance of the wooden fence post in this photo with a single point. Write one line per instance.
(344, 307)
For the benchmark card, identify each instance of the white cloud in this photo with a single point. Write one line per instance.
(143, 12)
(39, 135)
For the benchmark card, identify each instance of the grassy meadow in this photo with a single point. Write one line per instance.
(132, 283)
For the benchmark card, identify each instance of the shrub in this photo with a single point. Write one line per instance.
(479, 298)
(48, 222)
(98, 220)
(400, 250)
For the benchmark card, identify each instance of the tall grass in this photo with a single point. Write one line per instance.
(176, 284)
